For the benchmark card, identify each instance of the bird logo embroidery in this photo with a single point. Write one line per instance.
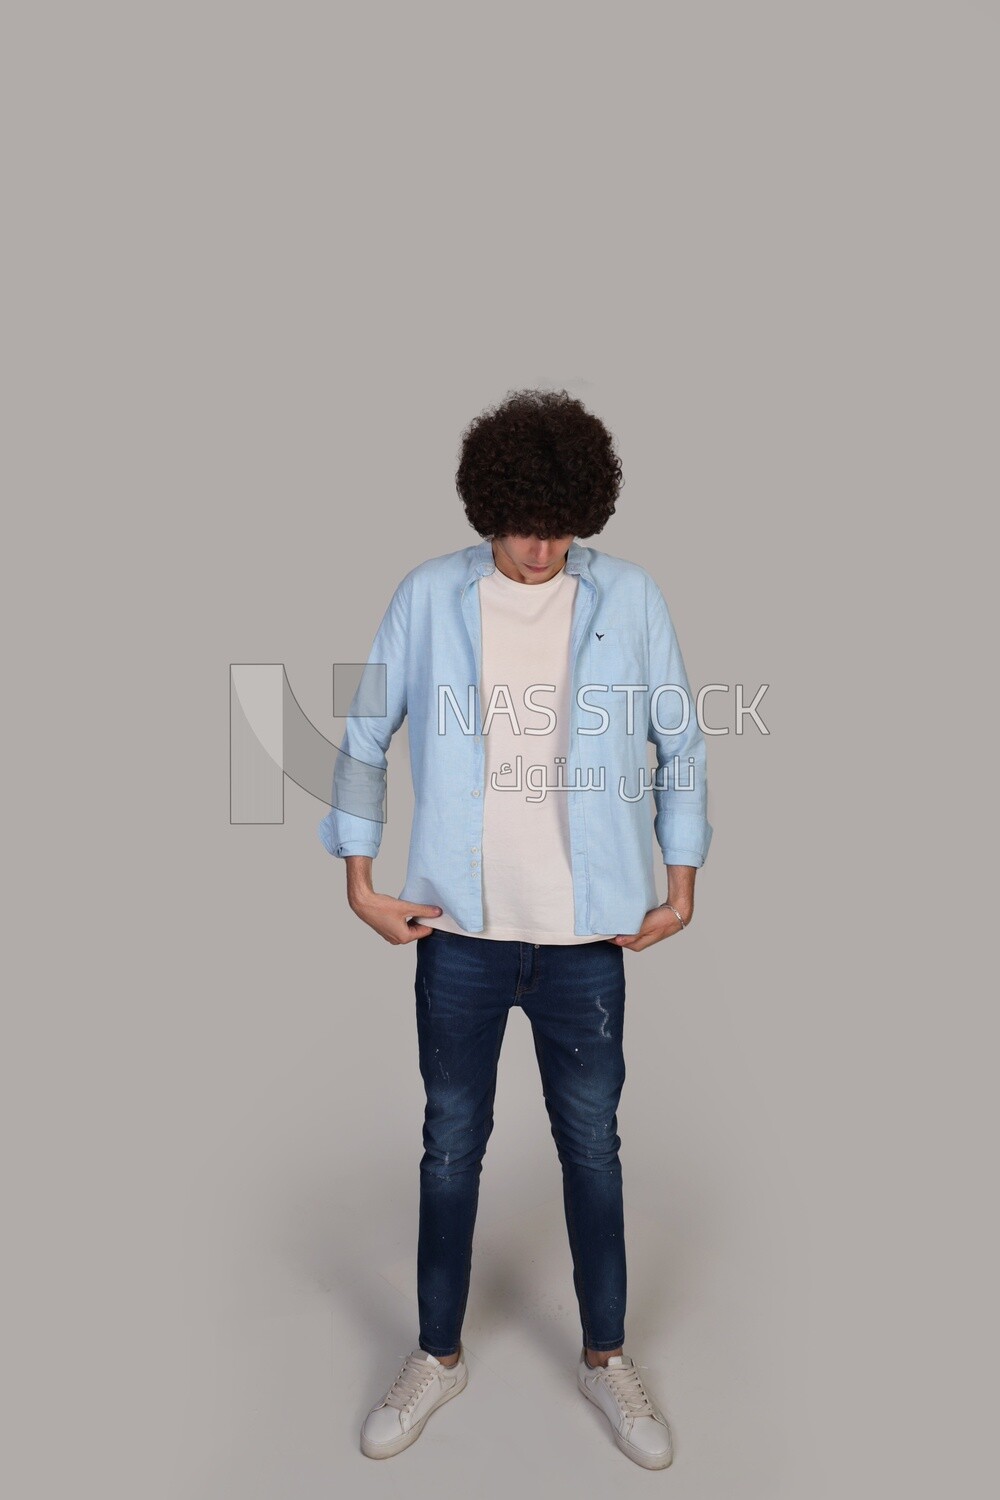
(599, 634)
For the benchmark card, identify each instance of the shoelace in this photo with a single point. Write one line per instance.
(414, 1376)
(628, 1389)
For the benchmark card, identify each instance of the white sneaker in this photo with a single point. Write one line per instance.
(639, 1426)
(422, 1385)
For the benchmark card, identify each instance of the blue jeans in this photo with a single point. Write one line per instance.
(574, 996)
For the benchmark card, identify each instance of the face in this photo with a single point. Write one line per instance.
(530, 559)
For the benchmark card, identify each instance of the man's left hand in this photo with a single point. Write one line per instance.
(657, 924)
(661, 922)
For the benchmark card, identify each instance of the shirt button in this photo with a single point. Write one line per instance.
(474, 849)
(476, 792)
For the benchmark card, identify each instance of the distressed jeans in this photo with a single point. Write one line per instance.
(574, 996)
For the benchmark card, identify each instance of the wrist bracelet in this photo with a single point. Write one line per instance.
(676, 914)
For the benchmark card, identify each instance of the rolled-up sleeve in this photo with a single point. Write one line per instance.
(357, 814)
(681, 825)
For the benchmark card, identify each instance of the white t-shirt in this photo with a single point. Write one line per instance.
(526, 867)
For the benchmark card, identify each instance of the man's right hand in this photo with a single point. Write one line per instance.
(389, 917)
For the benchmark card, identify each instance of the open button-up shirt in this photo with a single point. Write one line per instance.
(629, 689)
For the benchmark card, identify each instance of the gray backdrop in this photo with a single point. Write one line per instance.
(263, 265)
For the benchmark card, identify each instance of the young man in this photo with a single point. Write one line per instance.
(526, 882)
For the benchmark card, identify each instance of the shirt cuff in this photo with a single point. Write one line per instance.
(684, 857)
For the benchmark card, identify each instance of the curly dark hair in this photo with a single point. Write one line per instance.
(538, 464)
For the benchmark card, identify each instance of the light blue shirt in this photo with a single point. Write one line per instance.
(628, 684)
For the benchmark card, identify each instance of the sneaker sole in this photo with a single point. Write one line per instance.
(388, 1450)
(647, 1460)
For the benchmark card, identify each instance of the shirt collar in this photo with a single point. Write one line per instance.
(481, 561)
